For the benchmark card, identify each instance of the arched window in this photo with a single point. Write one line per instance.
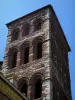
(36, 86)
(37, 24)
(25, 54)
(12, 58)
(37, 49)
(23, 86)
(25, 29)
(15, 34)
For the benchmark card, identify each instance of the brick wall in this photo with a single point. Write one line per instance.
(43, 67)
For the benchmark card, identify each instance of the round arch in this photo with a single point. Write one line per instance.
(36, 76)
(24, 44)
(37, 39)
(12, 49)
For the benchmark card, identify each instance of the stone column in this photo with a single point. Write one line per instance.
(31, 53)
(29, 92)
(18, 59)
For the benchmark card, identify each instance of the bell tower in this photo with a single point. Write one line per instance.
(36, 56)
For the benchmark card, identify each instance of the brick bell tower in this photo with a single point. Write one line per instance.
(36, 56)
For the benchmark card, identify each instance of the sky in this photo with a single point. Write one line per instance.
(65, 11)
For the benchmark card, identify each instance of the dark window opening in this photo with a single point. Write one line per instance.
(24, 89)
(38, 89)
(25, 29)
(39, 50)
(26, 55)
(37, 25)
(15, 35)
(14, 59)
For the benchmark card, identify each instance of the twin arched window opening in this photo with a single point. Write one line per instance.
(24, 53)
(36, 88)
(25, 29)
(37, 51)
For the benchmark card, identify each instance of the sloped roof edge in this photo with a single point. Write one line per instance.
(48, 6)
(11, 86)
